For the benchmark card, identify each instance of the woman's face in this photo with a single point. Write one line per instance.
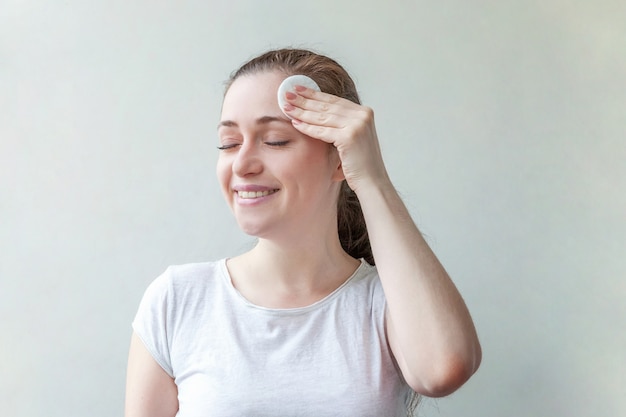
(276, 180)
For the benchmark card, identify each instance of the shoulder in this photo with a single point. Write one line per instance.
(365, 287)
(189, 278)
(194, 272)
(182, 292)
(366, 277)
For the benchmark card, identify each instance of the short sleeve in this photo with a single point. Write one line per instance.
(151, 321)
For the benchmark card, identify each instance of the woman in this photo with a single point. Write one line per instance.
(303, 324)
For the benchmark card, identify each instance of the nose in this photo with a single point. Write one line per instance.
(248, 160)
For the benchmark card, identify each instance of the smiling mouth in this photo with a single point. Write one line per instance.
(254, 194)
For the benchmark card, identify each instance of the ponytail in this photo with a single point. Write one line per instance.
(351, 225)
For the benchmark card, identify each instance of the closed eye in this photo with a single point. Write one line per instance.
(277, 143)
(226, 147)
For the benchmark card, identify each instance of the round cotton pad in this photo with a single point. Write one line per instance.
(289, 83)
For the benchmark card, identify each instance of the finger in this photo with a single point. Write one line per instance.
(335, 112)
(310, 104)
(315, 117)
(321, 97)
(324, 133)
(318, 95)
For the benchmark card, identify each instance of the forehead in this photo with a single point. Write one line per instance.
(253, 95)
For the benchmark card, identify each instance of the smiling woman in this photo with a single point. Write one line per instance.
(297, 176)
(304, 323)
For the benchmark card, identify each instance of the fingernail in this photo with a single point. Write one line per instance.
(300, 88)
(288, 107)
(290, 96)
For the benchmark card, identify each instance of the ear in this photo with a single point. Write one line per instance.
(338, 174)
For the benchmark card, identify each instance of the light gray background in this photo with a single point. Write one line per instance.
(503, 125)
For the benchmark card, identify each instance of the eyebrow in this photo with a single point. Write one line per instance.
(260, 121)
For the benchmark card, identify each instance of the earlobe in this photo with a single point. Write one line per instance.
(338, 175)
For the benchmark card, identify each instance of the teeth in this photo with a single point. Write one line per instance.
(254, 194)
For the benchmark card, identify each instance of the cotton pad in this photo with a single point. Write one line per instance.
(289, 84)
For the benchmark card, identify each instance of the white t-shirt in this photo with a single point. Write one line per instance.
(230, 357)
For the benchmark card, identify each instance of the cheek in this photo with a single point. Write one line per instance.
(321, 160)
(222, 171)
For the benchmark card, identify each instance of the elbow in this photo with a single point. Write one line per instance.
(446, 375)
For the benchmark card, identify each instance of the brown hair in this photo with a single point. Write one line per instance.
(332, 78)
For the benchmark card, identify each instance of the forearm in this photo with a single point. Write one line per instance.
(432, 328)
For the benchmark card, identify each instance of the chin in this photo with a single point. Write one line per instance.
(252, 228)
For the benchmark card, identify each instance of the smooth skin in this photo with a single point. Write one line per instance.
(429, 327)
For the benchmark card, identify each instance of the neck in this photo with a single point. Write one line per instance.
(300, 263)
(282, 276)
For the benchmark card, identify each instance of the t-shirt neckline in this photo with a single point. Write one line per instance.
(227, 280)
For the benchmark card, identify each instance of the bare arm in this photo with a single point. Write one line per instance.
(150, 391)
(430, 329)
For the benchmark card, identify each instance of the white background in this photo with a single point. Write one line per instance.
(503, 125)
